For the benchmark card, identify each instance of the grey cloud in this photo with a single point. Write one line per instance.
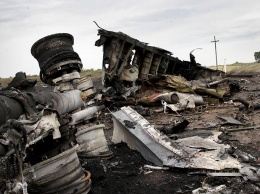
(167, 14)
(176, 25)
(12, 12)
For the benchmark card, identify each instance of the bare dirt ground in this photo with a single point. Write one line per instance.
(125, 172)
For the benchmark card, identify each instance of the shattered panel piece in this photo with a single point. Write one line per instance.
(190, 152)
(144, 138)
(155, 167)
(207, 153)
(250, 173)
(225, 174)
(230, 120)
(207, 189)
(48, 122)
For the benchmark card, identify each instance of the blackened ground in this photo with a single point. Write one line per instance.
(125, 173)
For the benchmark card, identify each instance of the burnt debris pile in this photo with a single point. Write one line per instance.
(52, 134)
(127, 60)
(44, 128)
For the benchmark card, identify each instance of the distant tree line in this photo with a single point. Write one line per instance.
(257, 56)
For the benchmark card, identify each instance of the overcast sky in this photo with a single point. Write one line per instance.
(175, 25)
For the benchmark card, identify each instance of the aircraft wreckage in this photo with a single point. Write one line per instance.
(127, 62)
(44, 129)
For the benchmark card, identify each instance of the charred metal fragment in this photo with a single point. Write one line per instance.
(176, 128)
(21, 82)
(230, 120)
(247, 105)
(25, 100)
(9, 108)
(55, 55)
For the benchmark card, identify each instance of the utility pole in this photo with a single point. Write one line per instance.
(215, 41)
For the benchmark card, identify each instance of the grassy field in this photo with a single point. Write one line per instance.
(240, 68)
(236, 68)
(94, 74)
